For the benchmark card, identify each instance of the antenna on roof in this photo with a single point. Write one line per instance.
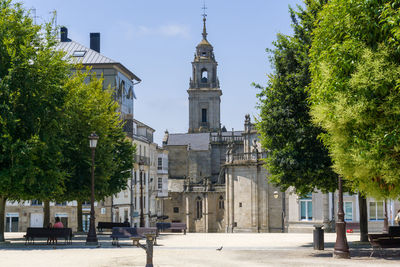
(54, 12)
(33, 9)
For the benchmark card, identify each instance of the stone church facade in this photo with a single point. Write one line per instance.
(216, 179)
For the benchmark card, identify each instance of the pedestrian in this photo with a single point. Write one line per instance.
(397, 218)
(58, 223)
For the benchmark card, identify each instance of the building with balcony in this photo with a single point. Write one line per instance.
(142, 200)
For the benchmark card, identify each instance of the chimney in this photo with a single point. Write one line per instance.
(95, 41)
(64, 34)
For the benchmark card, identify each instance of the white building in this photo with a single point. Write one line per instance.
(143, 192)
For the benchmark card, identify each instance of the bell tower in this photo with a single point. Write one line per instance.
(204, 92)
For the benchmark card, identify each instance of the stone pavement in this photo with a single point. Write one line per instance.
(194, 249)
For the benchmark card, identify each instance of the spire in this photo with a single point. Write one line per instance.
(204, 28)
(204, 21)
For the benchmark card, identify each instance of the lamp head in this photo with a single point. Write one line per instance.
(93, 140)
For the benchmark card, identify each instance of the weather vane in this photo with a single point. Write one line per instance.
(204, 9)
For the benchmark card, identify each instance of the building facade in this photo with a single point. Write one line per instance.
(211, 186)
(252, 204)
(141, 202)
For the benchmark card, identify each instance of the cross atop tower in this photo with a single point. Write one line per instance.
(204, 10)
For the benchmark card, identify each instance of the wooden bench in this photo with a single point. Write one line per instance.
(179, 226)
(111, 225)
(162, 226)
(49, 233)
(129, 232)
(389, 240)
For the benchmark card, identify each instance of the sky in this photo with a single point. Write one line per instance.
(156, 40)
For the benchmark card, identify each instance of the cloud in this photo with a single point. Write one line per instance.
(174, 30)
(167, 30)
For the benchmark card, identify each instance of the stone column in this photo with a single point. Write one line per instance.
(227, 201)
(254, 201)
(231, 201)
(205, 208)
(187, 213)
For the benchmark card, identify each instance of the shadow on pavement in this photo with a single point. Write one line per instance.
(358, 250)
(78, 242)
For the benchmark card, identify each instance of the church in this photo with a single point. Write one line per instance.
(217, 182)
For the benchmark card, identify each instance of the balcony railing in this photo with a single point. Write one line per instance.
(228, 138)
(245, 156)
(142, 160)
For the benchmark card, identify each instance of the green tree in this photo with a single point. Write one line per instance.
(89, 109)
(32, 77)
(355, 92)
(296, 157)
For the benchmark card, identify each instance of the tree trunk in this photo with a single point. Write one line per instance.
(46, 212)
(79, 214)
(385, 220)
(362, 204)
(3, 201)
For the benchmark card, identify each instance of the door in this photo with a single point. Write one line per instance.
(36, 220)
(12, 222)
(85, 222)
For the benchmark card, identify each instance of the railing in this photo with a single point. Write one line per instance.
(245, 156)
(220, 138)
(142, 160)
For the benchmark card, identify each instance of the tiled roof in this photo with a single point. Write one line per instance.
(197, 141)
(90, 57)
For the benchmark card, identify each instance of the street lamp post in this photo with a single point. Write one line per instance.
(341, 247)
(91, 237)
(141, 196)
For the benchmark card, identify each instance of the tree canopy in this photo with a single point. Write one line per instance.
(89, 108)
(32, 92)
(355, 92)
(296, 157)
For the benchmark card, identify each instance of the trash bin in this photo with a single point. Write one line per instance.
(318, 237)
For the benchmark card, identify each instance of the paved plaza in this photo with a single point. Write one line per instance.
(193, 249)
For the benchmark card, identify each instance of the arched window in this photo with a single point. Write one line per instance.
(221, 203)
(204, 75)
(129, 95)
(121, 89)
(199, 208)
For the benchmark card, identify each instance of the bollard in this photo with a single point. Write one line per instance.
(149, 250)
(148, 247)
(318, 235)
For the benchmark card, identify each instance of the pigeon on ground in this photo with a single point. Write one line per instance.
(219, 249)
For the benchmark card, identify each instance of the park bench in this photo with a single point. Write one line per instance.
(386, 240)
(111, 225)
(162, 226)
(129, 232)
(49, 233)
